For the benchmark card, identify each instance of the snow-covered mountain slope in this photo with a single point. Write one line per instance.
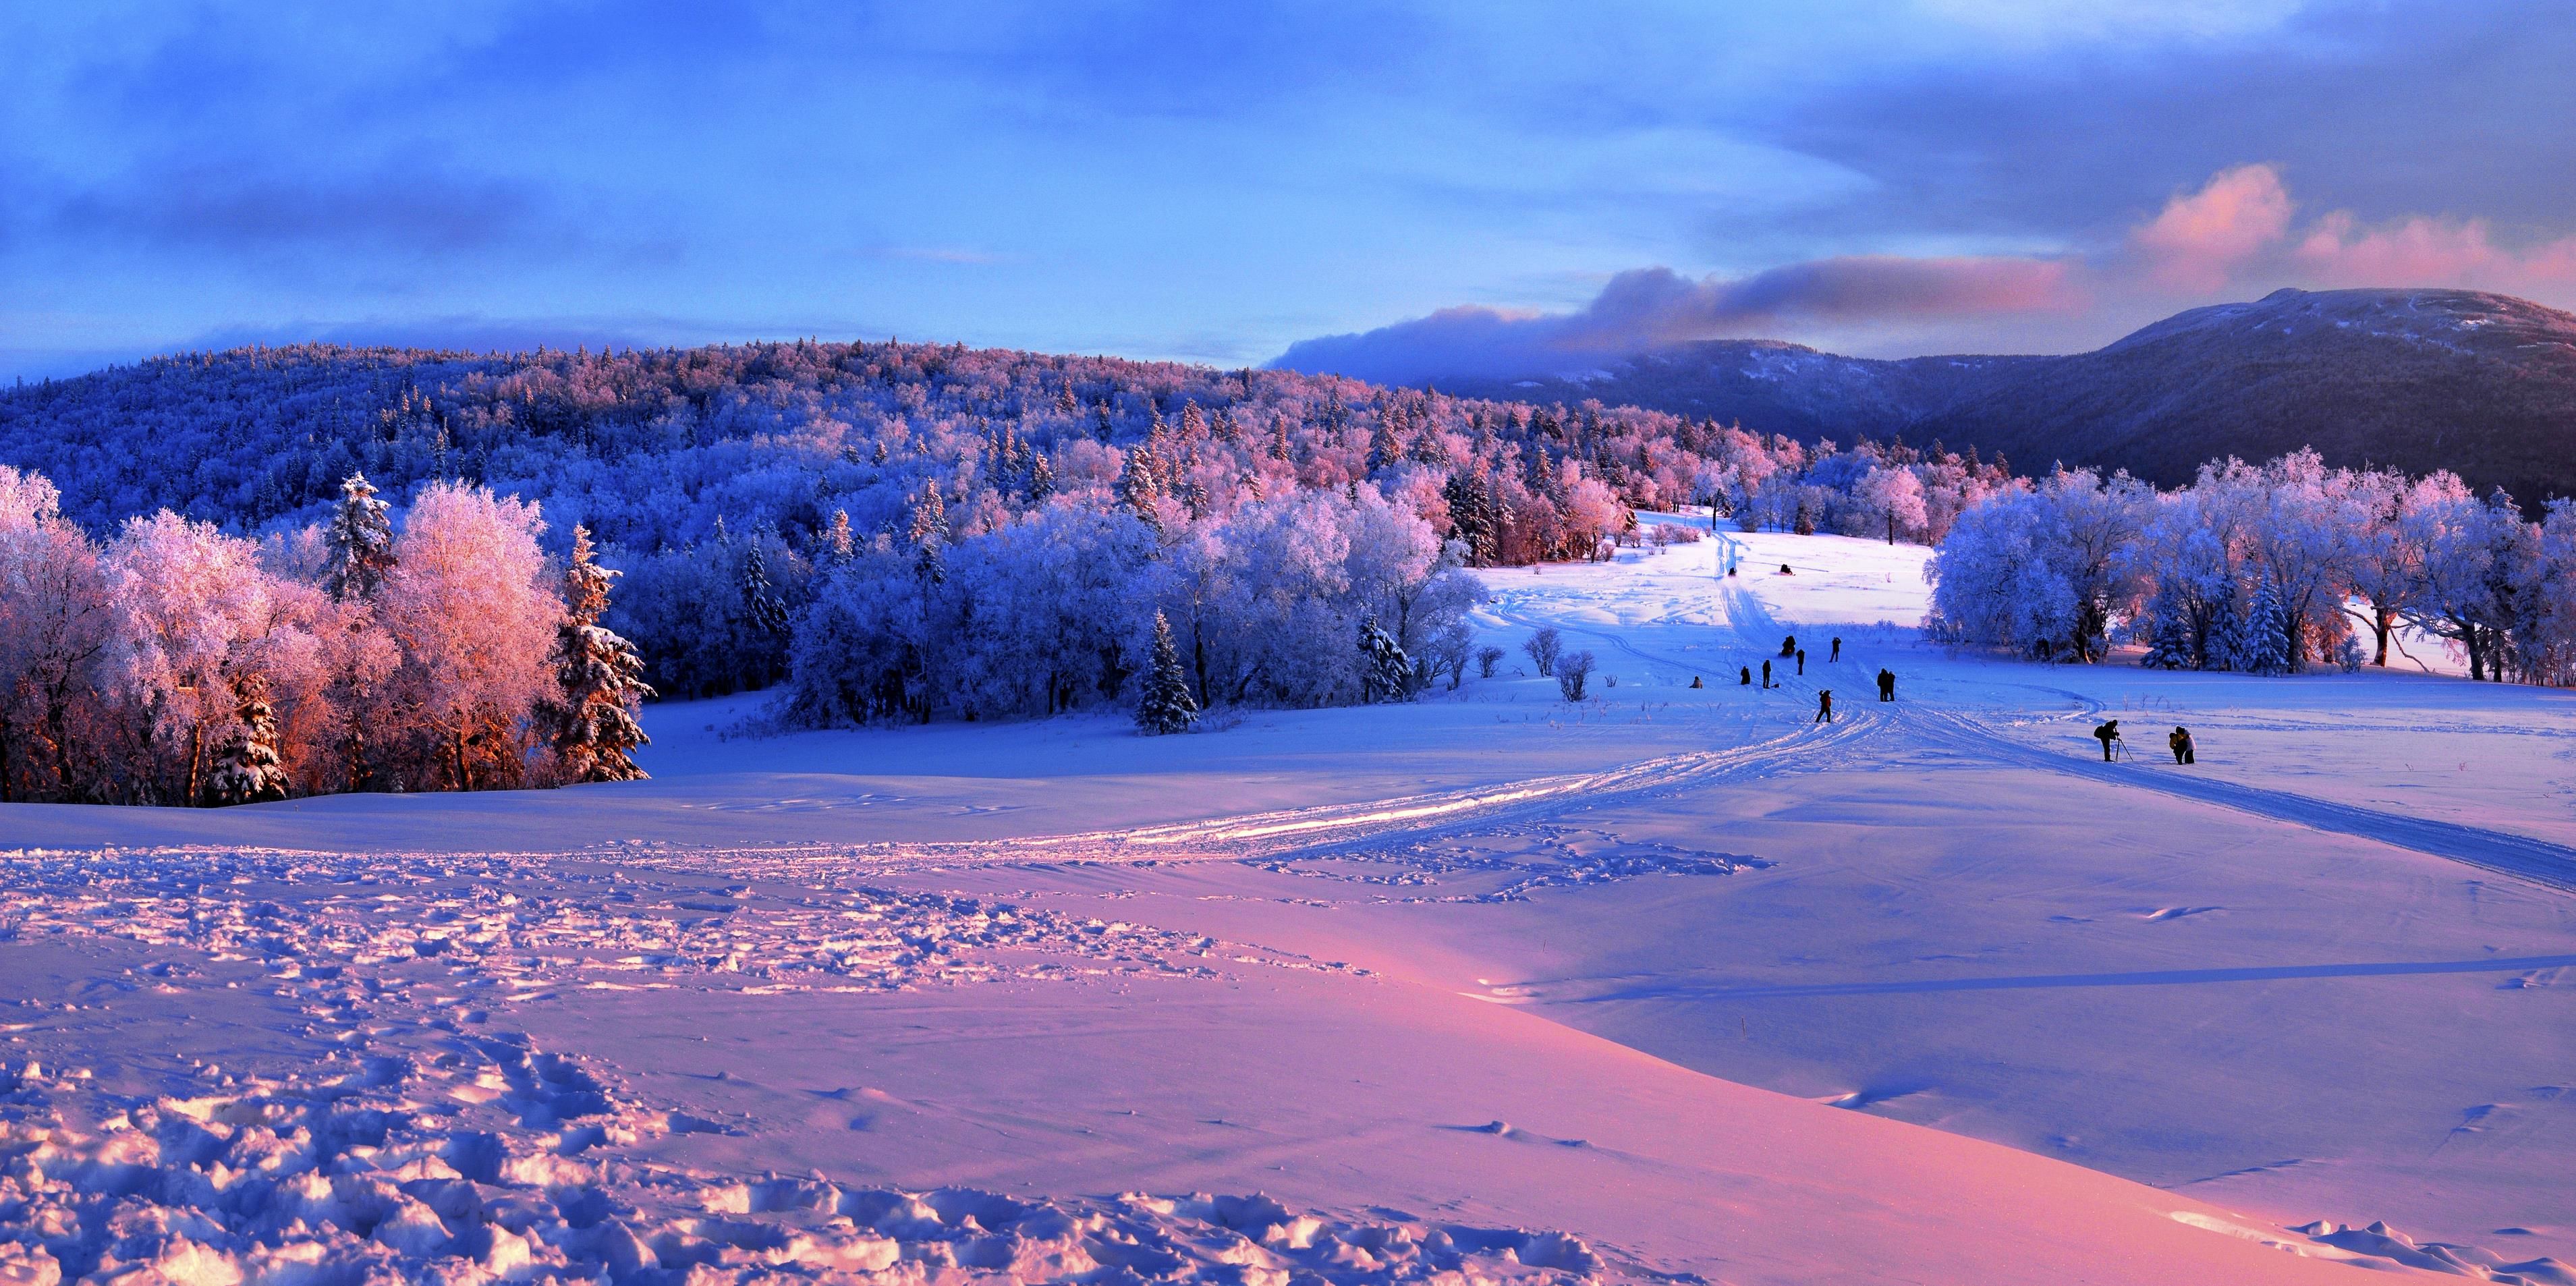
(1677, 981)
(2483, 385)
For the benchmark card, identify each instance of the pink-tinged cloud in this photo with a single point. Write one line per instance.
(2200, 239)
(1654, 307)
(2428, 251)
(2236, 236)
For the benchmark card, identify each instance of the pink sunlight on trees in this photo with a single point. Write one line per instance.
(2267, 569)
(181, 665)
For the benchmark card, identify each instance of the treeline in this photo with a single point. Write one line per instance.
(745, 489)
(2267, 569)
(178, 664)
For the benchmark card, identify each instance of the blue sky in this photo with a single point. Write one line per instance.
(1216, 183)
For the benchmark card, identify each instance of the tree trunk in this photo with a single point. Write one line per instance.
(2379, 623)
(196, 744)
(464, 769)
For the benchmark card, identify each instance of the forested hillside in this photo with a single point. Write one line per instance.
(722, 480)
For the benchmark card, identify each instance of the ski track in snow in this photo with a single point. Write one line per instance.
(431, 1142)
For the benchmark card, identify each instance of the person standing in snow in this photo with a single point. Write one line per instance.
(2180, 740)
(1744, 676)
(1766, 676)
(2109, 735)
(1824, 705)
(1837, 653)
(1886, 685)
(1802, 660)
(1788, 646)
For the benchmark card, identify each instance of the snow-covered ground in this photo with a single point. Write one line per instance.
(1677, 982)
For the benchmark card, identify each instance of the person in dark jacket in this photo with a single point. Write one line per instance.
(1744, 675)
(1825, 705)
(1766, 675)
(2180, 740)
(1802, 660)
(1887, 685)
(2109, 735)
(1837, 653)
(1788, 647)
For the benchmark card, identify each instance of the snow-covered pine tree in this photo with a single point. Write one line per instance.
(838, 543)
(2264, 647)
(1166, 706)
(591, 718)
(760, 602)
(2169, 640)
(247, 767)
(929, 535)
(1041, 479)
(361, 541)
(1386, 673)
(1140, 486)
(1384, 449)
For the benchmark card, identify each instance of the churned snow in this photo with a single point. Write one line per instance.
(1484, 988)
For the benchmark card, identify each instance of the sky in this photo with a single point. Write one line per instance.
(1392, 191)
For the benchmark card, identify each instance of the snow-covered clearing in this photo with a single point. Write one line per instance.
(1678, 982)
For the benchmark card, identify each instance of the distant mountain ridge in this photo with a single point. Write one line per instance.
(2480, 384)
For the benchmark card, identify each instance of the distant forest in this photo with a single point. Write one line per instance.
(729, 482)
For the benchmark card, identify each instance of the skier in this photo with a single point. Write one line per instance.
(2109, 735)
(1744, 676)
(1825, 705)
(1766, 676)
(2180, 740)
(1802, 660)
(1837, 653)
(1887, 685)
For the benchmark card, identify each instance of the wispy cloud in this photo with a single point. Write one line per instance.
(2237, 233)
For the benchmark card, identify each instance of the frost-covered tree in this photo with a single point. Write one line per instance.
(2263, 645)
(761, 605)
(469, 605)
(1573, 672)
(55, 624)
(361, 541)
(1544, 646)
(1387, 673)
(1166, 706)
(248, 769)
(2044, 572)
(590, 718)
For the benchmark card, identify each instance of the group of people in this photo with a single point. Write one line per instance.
(2178, 741)
(1796, 655)
(2107, 732)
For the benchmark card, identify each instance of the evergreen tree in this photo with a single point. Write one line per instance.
(1167, 705)
(247, 767)
(838, 542)
(591, 718)
(760, 602)
(1386, 673)
(1140, 486)
(929, 535)
(2265, 646)
(1384, 449)
(1041, 480)
(2170, 644)
(361, 541)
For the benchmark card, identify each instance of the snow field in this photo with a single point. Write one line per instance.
(1431, 975)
